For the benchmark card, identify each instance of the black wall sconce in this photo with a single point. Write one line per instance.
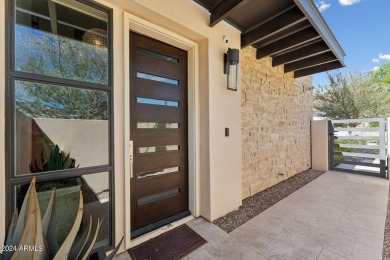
(231, 60)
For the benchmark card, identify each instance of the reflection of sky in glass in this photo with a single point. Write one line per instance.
(157, 78)
(48, 54)
(151, 101)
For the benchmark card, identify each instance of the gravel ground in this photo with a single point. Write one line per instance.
(254, 205)
(386, 241)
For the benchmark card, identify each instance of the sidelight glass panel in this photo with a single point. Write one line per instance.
(158, 55)
(157, 78)
(52, 122)
(151, 101)
(153, 173)
(62, 38)
(158, 125)
(60, 109)
(158, 196)
(96, 197)
(162, 148)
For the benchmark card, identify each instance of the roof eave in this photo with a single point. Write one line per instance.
(314, 16)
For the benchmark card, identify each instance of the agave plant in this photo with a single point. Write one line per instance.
(32, 237)
(54, 160)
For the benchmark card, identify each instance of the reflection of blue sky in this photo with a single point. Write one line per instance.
(52, 105)
(151, 101)
(22, 96)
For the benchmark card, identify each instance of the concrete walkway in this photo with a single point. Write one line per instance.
(336, 216)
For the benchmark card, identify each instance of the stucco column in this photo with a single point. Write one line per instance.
(319, 145)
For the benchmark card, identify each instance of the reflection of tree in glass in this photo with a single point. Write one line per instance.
(44, 101)
(53, 55)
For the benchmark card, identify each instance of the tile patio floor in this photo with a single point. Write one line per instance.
(336, 216)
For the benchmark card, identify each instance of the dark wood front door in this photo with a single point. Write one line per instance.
(158, 125)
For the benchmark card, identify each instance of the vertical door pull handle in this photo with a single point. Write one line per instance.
(131, 154)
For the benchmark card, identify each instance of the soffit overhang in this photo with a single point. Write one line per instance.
(292, 32)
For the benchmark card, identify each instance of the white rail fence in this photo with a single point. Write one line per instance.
(359, 146)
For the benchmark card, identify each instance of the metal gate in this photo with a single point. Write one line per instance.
(358, 146)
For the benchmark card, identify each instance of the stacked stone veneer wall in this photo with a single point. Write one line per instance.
(276, 115)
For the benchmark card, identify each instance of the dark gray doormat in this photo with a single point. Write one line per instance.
(173, 244)
(254, 205)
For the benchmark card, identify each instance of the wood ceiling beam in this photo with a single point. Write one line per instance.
(274, 26)
(283, 34)
(310, 62)
(224, 9)
(316, 69)
(301, 53)
(289, 42)
(299, 46)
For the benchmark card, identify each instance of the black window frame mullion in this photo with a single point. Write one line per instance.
(44, 79)
(57, 175)
(11, 35)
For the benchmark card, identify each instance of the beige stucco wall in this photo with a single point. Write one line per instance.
(276, 115)
(85, 140)
(320, 146)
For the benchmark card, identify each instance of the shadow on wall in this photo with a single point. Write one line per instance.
(80, 139)
(83, 139)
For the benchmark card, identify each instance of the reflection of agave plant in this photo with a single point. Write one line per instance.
(34, 238)
(56, 160)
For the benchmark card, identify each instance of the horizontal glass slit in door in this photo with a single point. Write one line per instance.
(162, 148)
(158, 196)
(153, 173)
(157, 55)
(158, 125)
(151, 101)
(157, 78)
